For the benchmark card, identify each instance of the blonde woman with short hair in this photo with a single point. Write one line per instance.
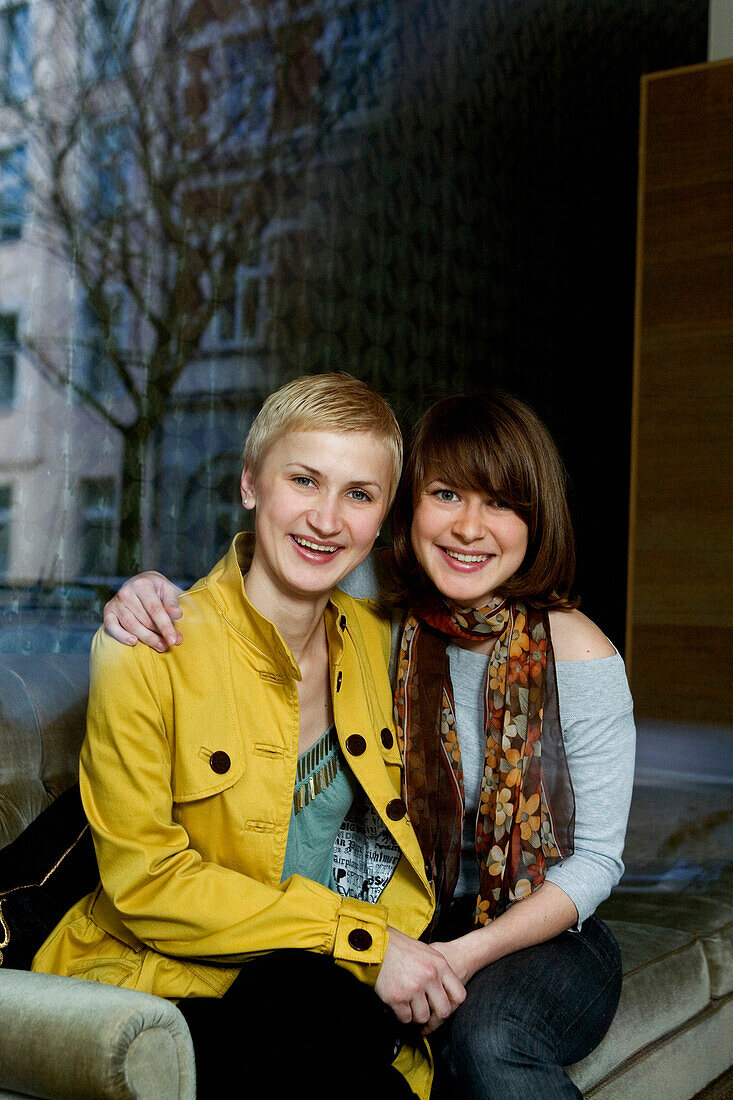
(243, 790)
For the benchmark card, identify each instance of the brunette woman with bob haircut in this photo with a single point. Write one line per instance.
(517, 729)
(498, 441)
(515, 722)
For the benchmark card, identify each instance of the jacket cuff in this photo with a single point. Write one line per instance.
(361, 937)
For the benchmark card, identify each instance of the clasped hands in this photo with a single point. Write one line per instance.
(418, 981)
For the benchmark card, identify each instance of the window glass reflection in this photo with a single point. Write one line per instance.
(15, 59)
(8, 357)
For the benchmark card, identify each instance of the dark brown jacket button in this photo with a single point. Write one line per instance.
(360, 939)
(396, 809)
(387, 738)
(355, 744)
(219, 762)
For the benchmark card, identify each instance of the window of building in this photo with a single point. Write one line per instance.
(96, 341)
(13, 189)
(8, 357)
(110, 168)
(110, 35)
(6, 507)
(15, 65)
(98, 526)
(361, 61)
(248, 88)
(201, 464)
(211, 513)
(240, 320)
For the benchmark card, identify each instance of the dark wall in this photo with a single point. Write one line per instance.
(484, 235)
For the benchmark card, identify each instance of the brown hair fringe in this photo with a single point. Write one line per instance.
(496, 444)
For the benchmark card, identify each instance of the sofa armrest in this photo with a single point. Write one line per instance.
(64, 1037)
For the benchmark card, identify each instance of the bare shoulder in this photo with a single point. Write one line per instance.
(575, 637)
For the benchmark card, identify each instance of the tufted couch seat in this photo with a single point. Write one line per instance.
(60, 1037)
(42, 714)
(673, 1032)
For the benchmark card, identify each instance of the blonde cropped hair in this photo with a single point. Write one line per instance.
(328, 403)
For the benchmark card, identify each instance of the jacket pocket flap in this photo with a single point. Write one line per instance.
(213, 768)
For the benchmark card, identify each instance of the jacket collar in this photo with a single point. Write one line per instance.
(225, 582)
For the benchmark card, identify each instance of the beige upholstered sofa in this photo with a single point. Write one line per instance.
(673, 1032)
(62, 1037)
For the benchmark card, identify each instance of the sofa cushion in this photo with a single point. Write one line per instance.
(48, 868)
(679, 1065)
(708, 915)
(665, 983)
(42, 720)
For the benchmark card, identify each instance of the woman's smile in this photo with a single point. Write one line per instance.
(315, 551)
(319, 498)
(461, 559)
(468, 542)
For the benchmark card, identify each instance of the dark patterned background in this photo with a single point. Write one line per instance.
(485, 233)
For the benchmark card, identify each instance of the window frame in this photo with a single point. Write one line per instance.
(94, 517)
(359, 53)
(109, 64)
(6, 527)
(10, 38)
(121, 163)
(246, 273)
(103, 383)
(10, 347)
(13, 215)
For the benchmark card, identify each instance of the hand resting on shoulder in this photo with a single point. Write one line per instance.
(144, 609)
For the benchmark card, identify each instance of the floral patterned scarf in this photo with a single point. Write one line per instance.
(527, 809)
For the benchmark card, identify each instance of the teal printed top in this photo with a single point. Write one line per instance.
(323, 793)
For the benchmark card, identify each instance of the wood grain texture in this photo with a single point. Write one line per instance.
(681, 541)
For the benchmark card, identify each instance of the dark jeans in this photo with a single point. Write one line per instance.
(293, 1023)
(529, 1014)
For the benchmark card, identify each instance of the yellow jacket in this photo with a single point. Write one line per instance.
(187, 774)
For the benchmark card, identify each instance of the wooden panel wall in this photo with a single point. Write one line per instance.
(679, 645)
